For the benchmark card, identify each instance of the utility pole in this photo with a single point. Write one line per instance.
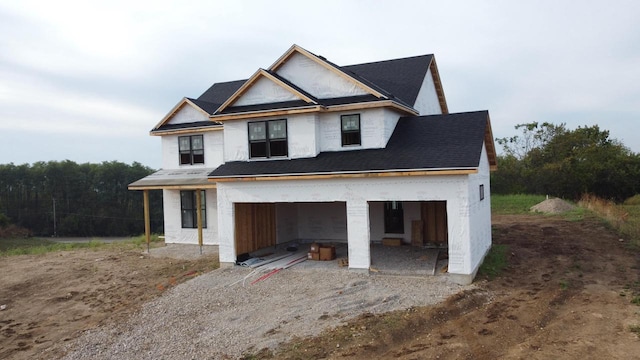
(54, 217)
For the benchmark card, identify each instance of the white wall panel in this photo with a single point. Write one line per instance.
(173, 231)
(213, 151)
(316, 79)
(427, 101)
(264, 91)
(188, 114)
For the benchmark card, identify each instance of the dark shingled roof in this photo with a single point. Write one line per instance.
(218, 93)
(398, 79)
(451, 141)
(209, 107)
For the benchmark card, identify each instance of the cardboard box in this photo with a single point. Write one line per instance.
(327, 253)
(314, 248)
(313, 256)
(391, 241)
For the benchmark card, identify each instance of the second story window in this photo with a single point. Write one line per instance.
(268, 138)
(191, 149)
(350, 129)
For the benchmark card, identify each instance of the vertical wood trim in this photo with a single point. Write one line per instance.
(147, 220)
(199, 214)
(434, 217)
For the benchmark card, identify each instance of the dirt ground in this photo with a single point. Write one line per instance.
(566, 294)
(51, 298)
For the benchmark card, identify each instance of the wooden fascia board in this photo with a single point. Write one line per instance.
(438, 84)
(295, 48)
(348, 175)
(370, 105)
(318, 108)
(255, 77)
(177, 108)
(490, 146)
(186, 131)
(266, 113)
(174, 187)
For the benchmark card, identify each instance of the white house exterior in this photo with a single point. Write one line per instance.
(307, 150)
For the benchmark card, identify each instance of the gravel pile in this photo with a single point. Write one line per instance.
(206, 318)
(553, 206)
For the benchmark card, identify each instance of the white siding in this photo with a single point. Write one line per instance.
(427, 101)
(479, 213)
(173, 231)
(316, 79)
(265, 91)
(187, 114)
(213, 151)
(376, 127)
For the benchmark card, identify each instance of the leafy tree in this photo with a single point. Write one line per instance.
(568, 163)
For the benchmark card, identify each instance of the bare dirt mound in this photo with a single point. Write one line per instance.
(569, 292)
(553, 206)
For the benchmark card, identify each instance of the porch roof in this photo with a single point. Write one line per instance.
(418, 143)
(174, 179)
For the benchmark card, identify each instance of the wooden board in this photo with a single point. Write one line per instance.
(417, 233)
(255, 226)
(434, 218)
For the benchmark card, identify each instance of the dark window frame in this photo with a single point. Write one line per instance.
(350, 137)
(393, 217)
(272, 143)
(190, 155)
(188, 209)
(481, 189)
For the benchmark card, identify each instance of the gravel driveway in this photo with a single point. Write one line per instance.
(207, 318)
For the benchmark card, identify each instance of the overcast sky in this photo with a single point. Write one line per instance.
(87, 80)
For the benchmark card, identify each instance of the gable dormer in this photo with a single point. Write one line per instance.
(319, 77)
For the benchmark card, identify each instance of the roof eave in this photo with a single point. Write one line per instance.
(348, 174)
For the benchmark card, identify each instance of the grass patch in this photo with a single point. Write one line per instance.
(142, 240)
(35, 246)
(494, 262)
(514, 204)
(623, 218)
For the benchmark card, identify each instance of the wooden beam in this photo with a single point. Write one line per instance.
(266, 113)
(186, 130)
(317, 108)
(438, 84)
(147, 219)
(174, 187)
(348, 176)
(199, 216)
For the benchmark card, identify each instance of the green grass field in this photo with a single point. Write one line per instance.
(514, 204)
(33, 246)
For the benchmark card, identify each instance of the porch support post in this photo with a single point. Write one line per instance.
(358, 235)
(199, 216)
(147, 221)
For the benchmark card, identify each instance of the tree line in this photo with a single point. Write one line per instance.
(69, 199)
(554, 160)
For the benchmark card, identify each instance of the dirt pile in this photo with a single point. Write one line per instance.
(553, 206)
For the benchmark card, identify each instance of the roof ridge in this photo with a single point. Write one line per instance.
(389, 60)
